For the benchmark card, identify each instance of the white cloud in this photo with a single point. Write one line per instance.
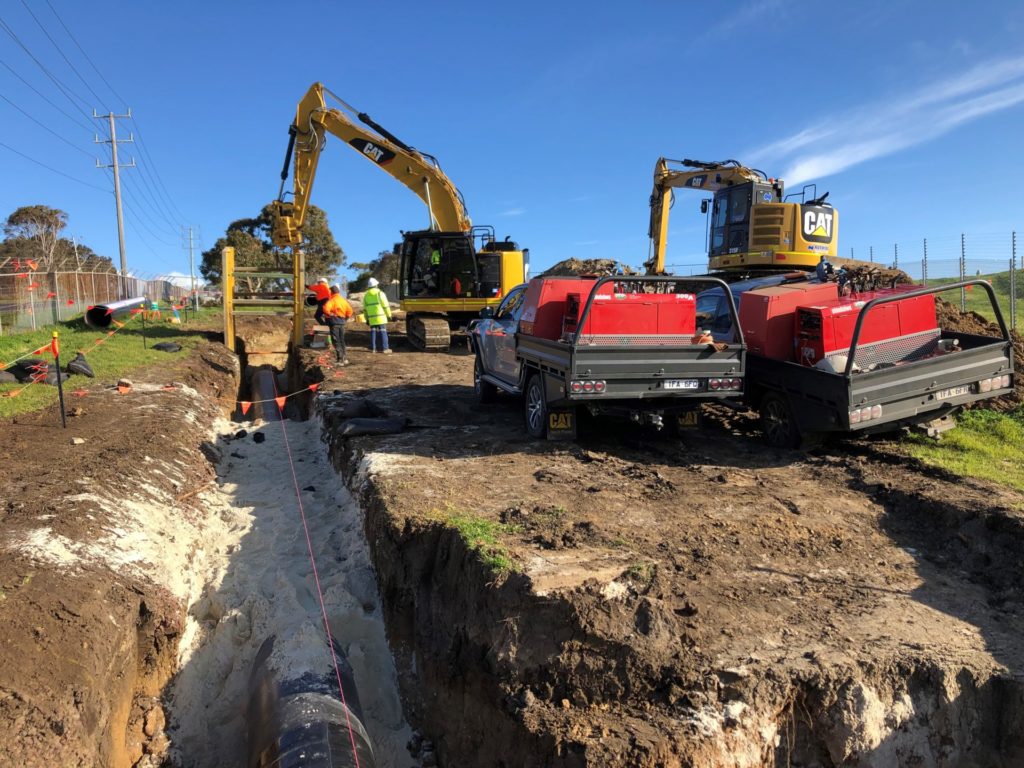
(512, 212)
(748, 14)
(873, 130)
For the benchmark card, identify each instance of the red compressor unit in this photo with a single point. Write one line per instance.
(890, 333)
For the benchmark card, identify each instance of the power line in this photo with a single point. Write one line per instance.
(61, 52)
(60, 86)
(45, 127)
(86, 55)
(158, 182)
(41, 95)
(50, 168)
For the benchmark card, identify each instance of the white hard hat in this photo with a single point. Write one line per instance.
(336, 287)
(322, 280)
(374, 282)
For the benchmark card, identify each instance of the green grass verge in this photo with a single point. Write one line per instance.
(483, 535)
(977, 298)
(985, 444)
(118, 355)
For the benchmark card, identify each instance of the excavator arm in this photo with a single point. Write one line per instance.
(417, 170)
(707, 177)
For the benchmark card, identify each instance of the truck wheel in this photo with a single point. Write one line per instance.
(485, 391)
(536, 407)
(778, 424)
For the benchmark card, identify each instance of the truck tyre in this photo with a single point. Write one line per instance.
(778, 423)
(485, 391)
(535, 407)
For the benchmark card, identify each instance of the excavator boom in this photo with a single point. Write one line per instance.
(417, 170)
(696, 174)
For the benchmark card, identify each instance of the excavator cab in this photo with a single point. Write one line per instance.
(731, 215)
(438, 265)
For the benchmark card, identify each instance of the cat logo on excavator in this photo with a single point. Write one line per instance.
(817, 223)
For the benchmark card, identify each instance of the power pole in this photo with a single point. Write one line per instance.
(113, 141)
(192, 268)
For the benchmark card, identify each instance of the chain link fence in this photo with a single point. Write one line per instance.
(32, 299)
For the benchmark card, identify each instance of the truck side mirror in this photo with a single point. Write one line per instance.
(704, 205)
(487, 313)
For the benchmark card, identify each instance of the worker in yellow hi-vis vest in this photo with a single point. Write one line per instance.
(378, 315)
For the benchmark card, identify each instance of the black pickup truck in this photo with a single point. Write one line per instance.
(623, 346)
(872, 387)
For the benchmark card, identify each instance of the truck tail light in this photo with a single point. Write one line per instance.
(867, 413)
(720, 384)
(587, 387)
(996, 382)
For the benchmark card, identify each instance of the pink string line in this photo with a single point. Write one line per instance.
(319, 592)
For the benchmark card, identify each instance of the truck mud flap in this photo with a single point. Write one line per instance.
(562, 424)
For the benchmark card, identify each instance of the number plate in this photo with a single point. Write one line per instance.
(954, 392)
(682, 384)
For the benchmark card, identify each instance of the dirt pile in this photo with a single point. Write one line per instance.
(599, 267)
(952, 319)
(96, 540)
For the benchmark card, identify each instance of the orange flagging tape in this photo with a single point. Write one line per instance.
(246, 405)
(280, 401)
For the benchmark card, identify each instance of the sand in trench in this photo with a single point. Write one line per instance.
(266, 587)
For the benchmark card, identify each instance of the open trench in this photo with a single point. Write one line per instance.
(502, 673)
(224, 706)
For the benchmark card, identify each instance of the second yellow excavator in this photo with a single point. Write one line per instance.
(752, 227)
(444, 278)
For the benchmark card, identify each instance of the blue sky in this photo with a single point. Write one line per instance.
(548, 116)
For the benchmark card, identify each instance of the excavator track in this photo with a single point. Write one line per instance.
(428, 333)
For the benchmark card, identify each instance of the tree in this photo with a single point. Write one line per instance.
(40, 227)
(384, 268)
(251, 239)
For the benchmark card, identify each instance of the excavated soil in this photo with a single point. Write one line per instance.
(94, 582)
(700, 600)
(645, 600)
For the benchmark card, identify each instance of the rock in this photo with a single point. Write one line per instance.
(154, 722)
(566, 704)
(77, 440)
(240, 434)
(428, 759)
(77, 411)
(258, 437)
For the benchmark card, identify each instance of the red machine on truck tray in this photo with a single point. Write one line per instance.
(869, 362)
(625, 346)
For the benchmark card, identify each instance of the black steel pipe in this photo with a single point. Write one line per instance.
(101, 315)
(303, 723)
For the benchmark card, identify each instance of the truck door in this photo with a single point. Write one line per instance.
(507, 318)
(497, 332)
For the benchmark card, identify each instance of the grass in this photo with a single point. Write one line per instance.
(116, 356)
(985, 444)
(977, 297)
(482, 535)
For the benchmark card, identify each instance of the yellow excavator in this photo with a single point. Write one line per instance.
(445, 279)
(752, 227)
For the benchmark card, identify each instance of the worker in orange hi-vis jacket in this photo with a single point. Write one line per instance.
(322, 293)
(337, 311)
